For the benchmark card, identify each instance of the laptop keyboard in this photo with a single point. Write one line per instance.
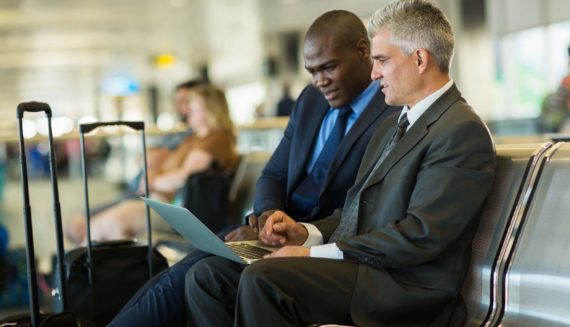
(247, 251)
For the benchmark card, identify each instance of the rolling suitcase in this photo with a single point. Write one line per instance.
(103, 276)
(35, 318)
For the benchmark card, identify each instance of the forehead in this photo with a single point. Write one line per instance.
(181, 93)
(322, 48)
(381, 42)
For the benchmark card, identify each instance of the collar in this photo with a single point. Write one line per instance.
(360, 103)
(424, 104)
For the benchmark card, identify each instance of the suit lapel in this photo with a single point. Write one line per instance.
(374, 109)
(415, 134)
(308, 127)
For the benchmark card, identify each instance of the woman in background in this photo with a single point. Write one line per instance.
(213, 141)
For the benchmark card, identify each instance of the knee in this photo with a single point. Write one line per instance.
(195, 276)
(202, 274)
(256, 274)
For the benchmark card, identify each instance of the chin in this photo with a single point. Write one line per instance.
(337, 103)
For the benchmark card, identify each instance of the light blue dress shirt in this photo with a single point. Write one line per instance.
(358, 106)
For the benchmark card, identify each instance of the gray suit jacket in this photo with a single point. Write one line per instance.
(417, 217)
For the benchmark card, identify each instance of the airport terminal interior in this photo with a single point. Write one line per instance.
(102, 60)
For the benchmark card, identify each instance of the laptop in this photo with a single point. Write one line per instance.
(195, 232)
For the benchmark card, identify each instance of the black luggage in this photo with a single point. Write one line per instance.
(103, 276)
(35, 318)
(206, 195)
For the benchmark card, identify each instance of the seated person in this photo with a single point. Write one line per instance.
(155, 155)
(555, 109)
(213, 140)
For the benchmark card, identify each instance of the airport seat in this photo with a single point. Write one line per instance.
(242, 188)
(537, 274)
(514, 164)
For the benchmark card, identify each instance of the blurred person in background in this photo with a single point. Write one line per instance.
(555, 110)
(212, 142)
(286, 103)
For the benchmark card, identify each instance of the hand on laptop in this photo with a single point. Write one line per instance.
(280, 229)
(290, 251)
(249, 232)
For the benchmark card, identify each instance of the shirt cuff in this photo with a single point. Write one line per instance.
(315, 237)
(328, 251)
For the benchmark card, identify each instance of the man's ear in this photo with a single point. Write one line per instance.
(363, 49)
(422, 57)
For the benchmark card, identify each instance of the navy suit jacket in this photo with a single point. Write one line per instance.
(287, 167)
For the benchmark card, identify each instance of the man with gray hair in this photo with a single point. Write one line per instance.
(398, 251)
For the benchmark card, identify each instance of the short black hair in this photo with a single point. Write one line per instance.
(344, 26)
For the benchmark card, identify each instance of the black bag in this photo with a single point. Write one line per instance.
(64, 319)
(103, 276)
(35, 318)
(205, 194)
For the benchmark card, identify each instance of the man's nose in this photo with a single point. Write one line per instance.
(376, 73)
(320, 80)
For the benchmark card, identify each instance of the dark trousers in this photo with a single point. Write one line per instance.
(270, 292)
(160, 302)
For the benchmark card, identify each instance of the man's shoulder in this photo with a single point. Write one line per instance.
(310, 91)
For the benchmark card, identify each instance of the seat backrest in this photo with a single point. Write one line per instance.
(242, 189)
(537, 278)
(514, 163)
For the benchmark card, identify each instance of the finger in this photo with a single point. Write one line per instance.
(280, 227)
(275, 254)
(261, 221)
(276, 217)
(230, 235)
(273, 240)
(268, 227)
(252, 219)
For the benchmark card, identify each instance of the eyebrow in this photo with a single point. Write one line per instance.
(321, 65)
(380, 56)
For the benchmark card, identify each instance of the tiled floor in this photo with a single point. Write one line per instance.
(72, 202)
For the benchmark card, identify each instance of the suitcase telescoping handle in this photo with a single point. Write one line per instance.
(89, 127)
(136, 125)
(30, 253)
(33, 107)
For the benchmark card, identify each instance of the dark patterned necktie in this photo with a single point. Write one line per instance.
(349, 219)
(306, 196)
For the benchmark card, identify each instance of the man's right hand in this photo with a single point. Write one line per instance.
(280, 229)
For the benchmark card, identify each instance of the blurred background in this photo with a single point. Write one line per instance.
(106, 60)
(81, 56)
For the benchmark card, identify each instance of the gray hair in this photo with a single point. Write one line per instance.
(415, 24)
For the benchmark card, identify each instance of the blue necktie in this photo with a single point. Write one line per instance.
(306, 196)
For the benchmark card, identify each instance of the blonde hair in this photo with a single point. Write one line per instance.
(415, 24)
(216, 107)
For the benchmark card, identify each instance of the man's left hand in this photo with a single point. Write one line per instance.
(290, 251)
